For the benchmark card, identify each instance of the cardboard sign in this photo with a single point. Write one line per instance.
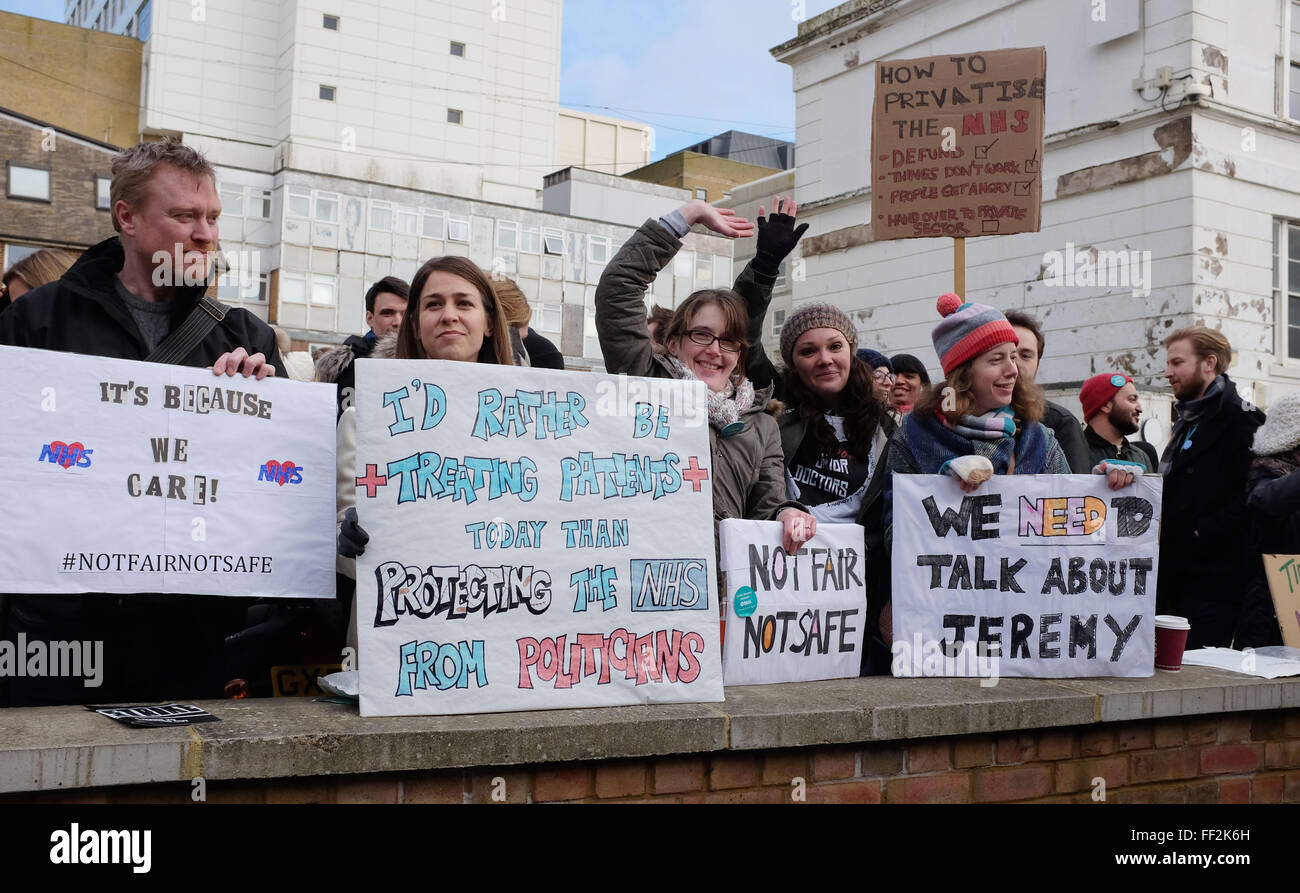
(538, 539)
(131, 477)
(957, 145)
(1283, 573)
(792, 618)
(1032, 575)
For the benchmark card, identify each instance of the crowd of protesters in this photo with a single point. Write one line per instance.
(816, 440)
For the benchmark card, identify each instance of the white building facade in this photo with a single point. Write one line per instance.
(1206, 190)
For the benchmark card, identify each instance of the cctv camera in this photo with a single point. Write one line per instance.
(1194, 92)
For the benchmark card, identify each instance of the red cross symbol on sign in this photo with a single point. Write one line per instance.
(372, 481)
(695, 474)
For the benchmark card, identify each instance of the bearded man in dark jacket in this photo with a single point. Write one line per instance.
(1205, 559)
(122, 299)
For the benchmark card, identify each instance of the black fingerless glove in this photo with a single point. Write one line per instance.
(352, 538)
(777, 236)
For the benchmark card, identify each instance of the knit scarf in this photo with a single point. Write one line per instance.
(725, 407)
(992, 425)
(1281, 464)
(933, 442)
(1190, 413)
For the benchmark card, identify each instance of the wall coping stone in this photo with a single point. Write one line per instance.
(60, 748)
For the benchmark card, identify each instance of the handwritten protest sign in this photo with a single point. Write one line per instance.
(792, 618)
(1049, 575)
(957, 144)
(538, 539)
(131, 477)
(1283, 575)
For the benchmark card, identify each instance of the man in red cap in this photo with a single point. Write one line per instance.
(1111, 410)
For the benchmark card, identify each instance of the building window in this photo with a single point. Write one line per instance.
(293, 288)
(457, 228)
(778, 320)
(553, 240)
(408, 220)
(1291, 95)
(29, 182)
(322, 289)
(232, 202)
(259, 203)
(508, 235)
(598, 249)
(381, 216)
(329, 22)
(530, 240)
(103, 193)
(327, 207)
(327, 93)
(299, 202)
(701, 192)
(433, 224)
(457, 48)
(455, 116)
(1286, 285)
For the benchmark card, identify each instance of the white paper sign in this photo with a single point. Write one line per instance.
(1038, 575)
(125, 477)
(792, 618)
(538, 539)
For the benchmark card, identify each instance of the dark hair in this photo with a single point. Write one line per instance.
(662, 316)
(858, 405)
(733, 310)
(905, 362)
(390, 284)
(1027, 400)
(496, 347)
(1025, 321)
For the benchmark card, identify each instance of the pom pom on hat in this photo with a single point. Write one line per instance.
(948, 304)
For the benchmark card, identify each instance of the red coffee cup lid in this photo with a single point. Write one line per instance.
(1172, 621)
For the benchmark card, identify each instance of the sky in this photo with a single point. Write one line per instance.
(690, 68)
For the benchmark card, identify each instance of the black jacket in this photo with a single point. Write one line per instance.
(1069, 434)
(1205, 556)
(1274, 506)
(155, 646)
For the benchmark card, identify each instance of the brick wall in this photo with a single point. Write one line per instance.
(70, 217)
(1225, 758)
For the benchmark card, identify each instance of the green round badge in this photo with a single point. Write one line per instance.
(745, 601)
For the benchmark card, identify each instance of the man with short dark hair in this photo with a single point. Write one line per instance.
(140, 295)
(1028, 354)
(1111, 409)
(1205, 560)
(386, 302)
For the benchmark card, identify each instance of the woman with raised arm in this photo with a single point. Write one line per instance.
(706, 341)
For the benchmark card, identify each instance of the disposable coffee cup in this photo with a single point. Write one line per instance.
(1171, 639)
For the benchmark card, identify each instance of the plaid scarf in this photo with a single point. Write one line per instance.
(725, 407)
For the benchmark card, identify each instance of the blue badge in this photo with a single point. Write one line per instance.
(731, 429)
(745, 601)
(1118, 381)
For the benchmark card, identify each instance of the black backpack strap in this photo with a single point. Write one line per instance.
(189, 334)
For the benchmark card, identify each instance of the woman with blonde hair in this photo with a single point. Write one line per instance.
(33, 271)
(542, 353)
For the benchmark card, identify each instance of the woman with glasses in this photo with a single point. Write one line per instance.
(882, 375)
(705, 340)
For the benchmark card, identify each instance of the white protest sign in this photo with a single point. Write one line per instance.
(1032, 575)
(128, 477)
(792, 618)
(538, 539)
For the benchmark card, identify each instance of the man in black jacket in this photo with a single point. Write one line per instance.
(123, 298)
(1068, 431)
(386, 303)
(1205, 561)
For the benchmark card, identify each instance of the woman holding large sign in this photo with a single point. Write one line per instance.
(706, 341)
(983, 418)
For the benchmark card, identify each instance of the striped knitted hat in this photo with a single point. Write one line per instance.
(814, 316)
(967, 331)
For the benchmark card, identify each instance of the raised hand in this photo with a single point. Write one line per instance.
(722, 221)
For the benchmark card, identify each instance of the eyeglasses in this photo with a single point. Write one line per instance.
(705, 337)
(884, 375)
